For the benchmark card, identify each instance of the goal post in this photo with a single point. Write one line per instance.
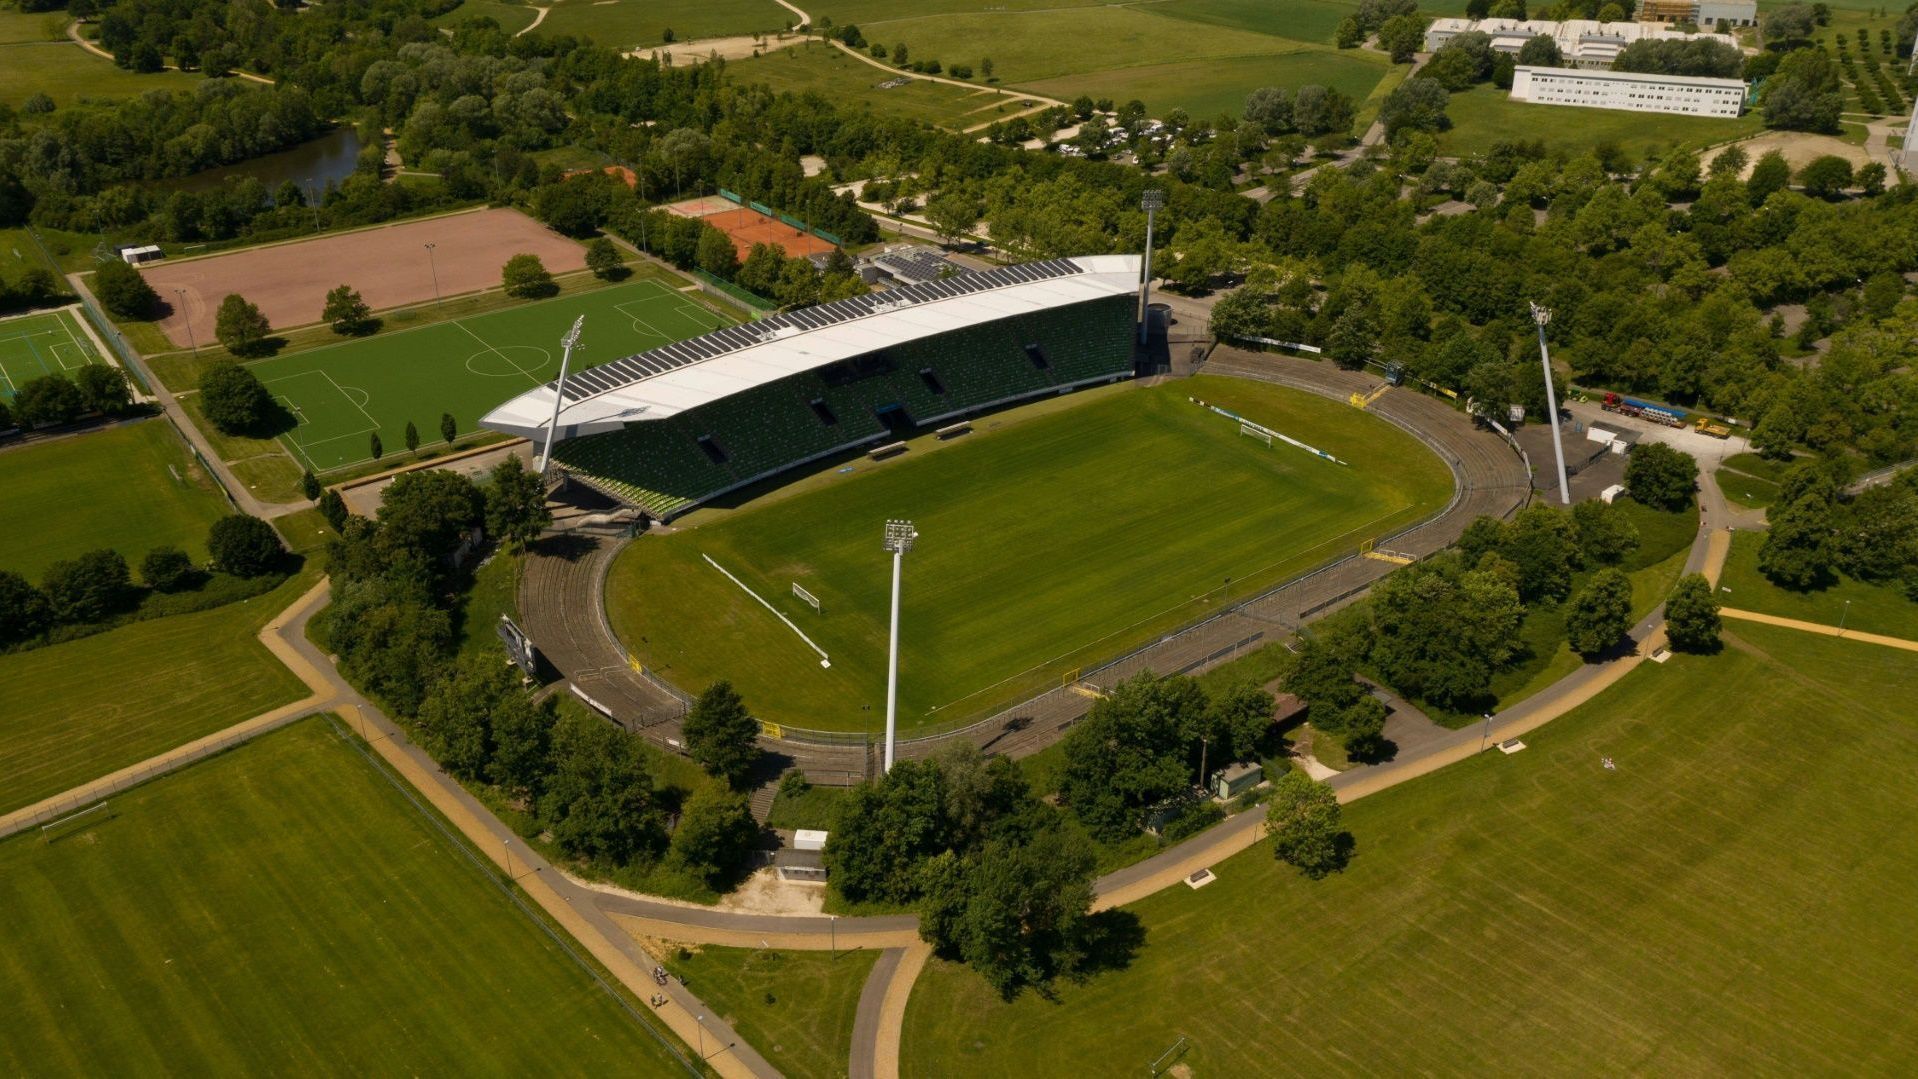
(1250, 431)
(73, 822)
(807, 598)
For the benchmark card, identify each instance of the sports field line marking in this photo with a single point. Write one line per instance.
(824, 660)
(55, 348)
(67, 325)
(494, 349)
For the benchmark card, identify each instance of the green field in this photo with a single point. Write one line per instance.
(284, 909)
(511, 15)
(41, 344)
(68, 74)
(813, 67)
(74, 712)
(342, 394)
(796, 1008)
(132, 488)
(1485, 115)
(1054, 536)
(1212, 86)
(1734, 899)
(1872, 608)
(632, 24)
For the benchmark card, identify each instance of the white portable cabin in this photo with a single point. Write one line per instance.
(809, 839)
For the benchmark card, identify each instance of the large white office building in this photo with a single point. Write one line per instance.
(1628, 90)
(1582, 43)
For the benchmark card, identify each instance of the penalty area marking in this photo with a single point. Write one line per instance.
(824, 661)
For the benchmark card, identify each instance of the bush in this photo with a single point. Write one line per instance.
(244, 546)
(125, 291)
(166, 569)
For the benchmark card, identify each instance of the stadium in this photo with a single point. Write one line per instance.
(1069, 513)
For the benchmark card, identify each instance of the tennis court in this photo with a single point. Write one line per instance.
(343, 394)
(41, 344)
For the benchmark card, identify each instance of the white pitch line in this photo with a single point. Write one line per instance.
(823, 660)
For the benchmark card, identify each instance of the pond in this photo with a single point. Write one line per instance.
(313, 165)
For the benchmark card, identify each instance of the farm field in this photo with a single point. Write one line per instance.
(1055, 536)
(42, 344)
(819, 68)
(133, 487)
(1485, 115)
(796, 1008)
(343, 394)
(76, 711)
(283, 907)
(1732, 899)
(67, 73)
(1870, 608)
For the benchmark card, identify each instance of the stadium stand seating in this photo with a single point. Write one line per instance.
(660, 465)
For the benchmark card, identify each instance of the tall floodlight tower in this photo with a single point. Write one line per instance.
(1542, 316)
(1151, 203)
(567, 345)
(899, 537)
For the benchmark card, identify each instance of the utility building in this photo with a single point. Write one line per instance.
(1633, 92)
(1583, 43)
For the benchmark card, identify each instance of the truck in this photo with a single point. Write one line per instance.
(1707, 427)
(1644, 410)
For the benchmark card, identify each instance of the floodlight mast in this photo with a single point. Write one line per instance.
(1542, 316)
(567, 344)
(1152, 202)
(899, 537)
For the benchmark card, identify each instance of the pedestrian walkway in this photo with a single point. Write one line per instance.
(1819, 628)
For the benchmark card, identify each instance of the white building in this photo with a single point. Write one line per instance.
(1731, 12)
(1634, 92)
(1911, 141)
(1582, 42)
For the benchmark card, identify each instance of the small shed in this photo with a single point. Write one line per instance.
(809, 839)
(134, 256)
(1610, 494)
(1236, 779)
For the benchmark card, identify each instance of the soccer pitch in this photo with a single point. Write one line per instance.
(341, 395)
(1055, 536)
(283, 909)
(41, 344)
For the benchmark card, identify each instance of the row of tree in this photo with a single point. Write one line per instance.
(58, 398)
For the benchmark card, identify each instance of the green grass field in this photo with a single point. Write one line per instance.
(796, 1008)
(42, 344)
(632, 24)
(69, 74)
(1486, 115)
(1873, 608)
(77, 711)
(819, 68)
(1053, 537)
(1733, 899)
(342, 394)
(511, 15)
(283, 908)
(132, 488)
(1212, 86)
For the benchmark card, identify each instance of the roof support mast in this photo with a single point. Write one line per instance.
(567, 344)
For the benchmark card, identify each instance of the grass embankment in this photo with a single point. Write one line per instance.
(1052, 537)
(283, 907)
(796, 1008)
(1732, 898)
(1869, 608)
(1750, 480)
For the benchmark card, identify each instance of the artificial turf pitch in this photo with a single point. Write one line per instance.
(283, 909)
(1734, 898)
(49, 342)
(341, 395)
(1055, 536)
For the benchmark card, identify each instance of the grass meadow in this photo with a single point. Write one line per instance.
(68, 74)
(283, 908)
(633, 24)
(813, 67)
(1734, 898)
(1485, 115)
(132, 487)
(796, 1008)
(1053, 537)
(1870, 608)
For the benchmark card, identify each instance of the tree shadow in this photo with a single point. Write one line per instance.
(1112, 938)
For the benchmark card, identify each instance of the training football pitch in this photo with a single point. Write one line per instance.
(342, 395)
(1053, 537)
(46, 343)
(283, 909)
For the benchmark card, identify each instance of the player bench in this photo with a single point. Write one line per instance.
(954, 430)
(890, 449)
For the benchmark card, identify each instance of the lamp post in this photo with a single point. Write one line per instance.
(1152, 202)
(700, 1019)
(1542, 316)
(567, 344)
(1843, 615)
(191, 339)
(313, 193)
(832, 934)
(899, 537)
(434, 267)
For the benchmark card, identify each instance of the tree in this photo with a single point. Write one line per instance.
(448, 428)
(244, 546)
(603, 259)
(985, 69)
(1129, 753)
(124, 290)
(1362, 725)
(48, 401)
(333, 508)
(1323, 677)
(166, 569)
(1414, 105)
(1800, 547)
(1402, 36)
(456, 716)
(1870, 178)
(1543, 544)
(952, 215)
(1303, 819)
(412, 437)
(516, 511)
(1600, 613)
(522, 742)
(1349, 34)
(1605, 534)
(235, 399)
(1439, 633)
(374, 447)
(1805, 94)
(884, 832)
(1691, 615)
(347, 313)
(525, 278)
(1661, 477)
(1540, 50)
(88, 588)
(24, 610)
(1771, 173)
(716, 834)
(722, 735)
(716, 254)
(1019, 913)
(310, 485)
(1825, 177)
(103, 389)
(240, 326)
(899, 54)
(1793, 22)
(598, 801)
(428, 514)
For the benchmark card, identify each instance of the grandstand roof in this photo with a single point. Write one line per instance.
(700, 370)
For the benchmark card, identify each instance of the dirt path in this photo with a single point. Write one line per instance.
(73, 31)
(1820, 628)
(539, 16)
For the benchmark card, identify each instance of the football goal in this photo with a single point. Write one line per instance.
(1255, 432)
(807, 598)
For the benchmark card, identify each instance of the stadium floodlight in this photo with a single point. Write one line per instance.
(434, 266)
(1151, 202)
(899, 537)
(1542, 316)
(567, 344)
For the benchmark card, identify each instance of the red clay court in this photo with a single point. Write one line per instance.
(746, 227)
(389, 266)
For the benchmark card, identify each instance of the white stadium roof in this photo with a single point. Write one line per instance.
(700, 370)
